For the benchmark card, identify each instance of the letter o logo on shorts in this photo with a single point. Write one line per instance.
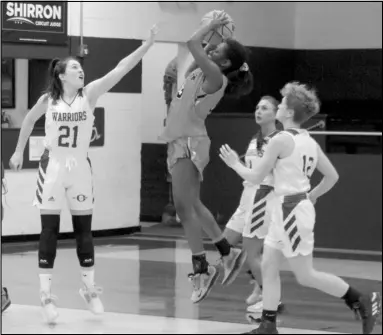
(81, 198)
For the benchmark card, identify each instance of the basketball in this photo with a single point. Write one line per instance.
(216, 36)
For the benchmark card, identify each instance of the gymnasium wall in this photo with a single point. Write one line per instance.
(338, 25)
(261, 23)
(134, 109)
(283, 48)
(337, 48)
(18, 113)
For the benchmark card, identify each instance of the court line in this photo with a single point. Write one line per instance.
(81, 321)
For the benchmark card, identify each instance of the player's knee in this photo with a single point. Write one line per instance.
(84, 240)
(48, 240)
(85, 250)
(269, 269)
(305, 278)
(185, 209)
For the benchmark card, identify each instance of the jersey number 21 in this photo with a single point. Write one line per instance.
(65, 135)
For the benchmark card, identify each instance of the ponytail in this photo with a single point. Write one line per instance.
(240, 83)
(54, 88)
(240, 78)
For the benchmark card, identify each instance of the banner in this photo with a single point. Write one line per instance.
(41, 22)
(98, 132)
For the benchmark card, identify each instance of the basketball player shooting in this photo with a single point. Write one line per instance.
(65, 170)
(215, 72)
(293, 155)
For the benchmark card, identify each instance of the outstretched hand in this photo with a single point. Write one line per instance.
(229, 156)
(153, 33)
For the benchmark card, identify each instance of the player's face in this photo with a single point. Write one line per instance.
(74, 75)
(283, 112)
(218, 55)
(265, 113)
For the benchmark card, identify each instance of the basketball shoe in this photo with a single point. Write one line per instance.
(5, 301)
(203, 283)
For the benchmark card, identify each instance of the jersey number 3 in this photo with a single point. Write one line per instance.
(308, 166)
(65, 134)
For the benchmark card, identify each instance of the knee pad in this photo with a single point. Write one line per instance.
(48, 240)
(82, 225)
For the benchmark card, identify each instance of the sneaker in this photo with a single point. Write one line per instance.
(48, 303)
(92, 299)
(266, 327)
(258, 308)
(5, 301)
(203, 283)
(369, 309)
(232, 265)
(256, 296)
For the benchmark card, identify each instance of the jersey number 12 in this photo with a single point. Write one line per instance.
(65, 136)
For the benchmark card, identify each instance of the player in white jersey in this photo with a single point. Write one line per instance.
(293, 156)
(65, 171)
(251, 220)
(223, 70)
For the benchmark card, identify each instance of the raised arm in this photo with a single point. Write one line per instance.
(209, 68)
(100, 86)
(38, 110)
(193, 66)
(279, 146)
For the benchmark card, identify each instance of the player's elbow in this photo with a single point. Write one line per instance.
(29, 121)
(333, 178)
(336, 177)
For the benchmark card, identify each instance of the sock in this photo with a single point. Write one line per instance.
(270, 316)
(45, 283)
(88, 277)
(223, 247)
(351, 297)
(200, 264)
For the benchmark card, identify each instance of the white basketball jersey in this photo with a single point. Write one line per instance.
(68, 127)
(253, 156)
(292, 174)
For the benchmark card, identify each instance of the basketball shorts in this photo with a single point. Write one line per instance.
(197, 149)
(56, 182)
(252, 217)
(292, 226)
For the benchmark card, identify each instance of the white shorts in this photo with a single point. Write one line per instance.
(56, 181)
(252, 217)
(292, 226)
